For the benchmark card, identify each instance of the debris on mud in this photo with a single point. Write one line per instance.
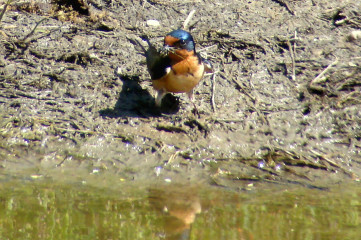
(283, 106)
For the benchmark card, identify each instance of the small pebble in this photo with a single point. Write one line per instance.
(354, 35)
(36, 176)
(157, 170)
(153, 23)
(118, 71)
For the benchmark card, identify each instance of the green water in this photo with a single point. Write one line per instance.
(43, 210)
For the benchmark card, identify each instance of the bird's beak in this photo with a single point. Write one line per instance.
(166, 49)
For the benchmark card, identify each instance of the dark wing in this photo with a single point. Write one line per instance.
(208, 67)
(156, 63)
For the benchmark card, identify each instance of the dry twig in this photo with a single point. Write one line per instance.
(188, 19)
(293, 56)
(4, 9)
(283, 3)
(318, 79)
(32, 31)
(213, 91)
(348, 172)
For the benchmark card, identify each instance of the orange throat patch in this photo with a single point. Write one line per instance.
(182, 76)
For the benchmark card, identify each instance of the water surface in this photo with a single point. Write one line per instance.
(41, 209)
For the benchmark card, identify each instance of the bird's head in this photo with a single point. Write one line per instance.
(179, 44)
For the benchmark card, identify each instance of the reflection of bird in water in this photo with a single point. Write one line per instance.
(179, 206)
(177, 68)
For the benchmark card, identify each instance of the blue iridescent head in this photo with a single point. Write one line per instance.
(180, 39)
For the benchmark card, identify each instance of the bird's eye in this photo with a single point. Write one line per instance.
(182, 42)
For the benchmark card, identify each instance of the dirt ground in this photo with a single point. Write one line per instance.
(283, 106)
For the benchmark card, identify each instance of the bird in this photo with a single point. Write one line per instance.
(177, 67)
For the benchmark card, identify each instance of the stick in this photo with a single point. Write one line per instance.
(292, 53)
(284, 4)
(318, 78)
(186, 22)
(32, 31)
(4, 9)
(213, 90)
(332, 163)
(293, 60)
(206, 48)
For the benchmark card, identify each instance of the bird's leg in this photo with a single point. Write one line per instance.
(190, 96)
(160, 94)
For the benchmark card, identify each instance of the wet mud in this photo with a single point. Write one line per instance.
(283, 106)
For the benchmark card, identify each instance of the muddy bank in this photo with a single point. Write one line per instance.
(283, 106)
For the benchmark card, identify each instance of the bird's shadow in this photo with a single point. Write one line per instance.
(136, 102)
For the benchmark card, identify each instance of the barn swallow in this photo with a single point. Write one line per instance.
(177, 68)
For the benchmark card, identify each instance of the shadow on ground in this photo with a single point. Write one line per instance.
(134, 101)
